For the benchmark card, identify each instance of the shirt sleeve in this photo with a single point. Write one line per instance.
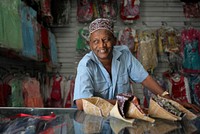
(137, 71)
(83, 83)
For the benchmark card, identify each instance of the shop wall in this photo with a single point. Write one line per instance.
(152, 12)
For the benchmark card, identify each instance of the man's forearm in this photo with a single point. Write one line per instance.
(153, 86)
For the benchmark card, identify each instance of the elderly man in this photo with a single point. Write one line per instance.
(107, 70)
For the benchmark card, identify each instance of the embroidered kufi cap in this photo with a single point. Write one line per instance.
(101, 23)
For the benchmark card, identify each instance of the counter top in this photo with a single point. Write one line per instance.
(72, 121)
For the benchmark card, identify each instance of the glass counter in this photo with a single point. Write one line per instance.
(72, 121)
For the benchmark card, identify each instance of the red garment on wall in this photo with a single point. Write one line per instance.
(56, 89)
(5, 92)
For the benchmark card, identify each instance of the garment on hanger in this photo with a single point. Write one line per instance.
(168, 39)
(108, 9)
(178, 86)
(190, 50)
(5, 92)
(129, 10)
(82, 45)
(85, 11)
(16, 97)
(146, 52)
(31, 92)
(194, 82)
(56, 96)
(126, 37)
(191, 10)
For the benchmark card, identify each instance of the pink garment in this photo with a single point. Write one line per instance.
(31, 93)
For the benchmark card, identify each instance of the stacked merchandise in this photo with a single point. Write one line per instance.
(10, 25)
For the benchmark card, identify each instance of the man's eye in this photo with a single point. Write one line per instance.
(106, 40)
(95, 42)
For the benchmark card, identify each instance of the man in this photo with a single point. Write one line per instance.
(107, 70)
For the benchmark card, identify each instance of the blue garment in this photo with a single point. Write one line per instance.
(191, 56)
(93, 80)
(29, 24)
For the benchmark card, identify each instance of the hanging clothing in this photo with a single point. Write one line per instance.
(178, 87)
(5, 92)
(126, 37)
(191, 10)
(56, 93)
(190, 49)
(129, 10)
(194, 83)
(16, 97)
(147, 53)
(31, 93)
(85, 11)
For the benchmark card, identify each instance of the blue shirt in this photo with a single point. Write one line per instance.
(92, 79)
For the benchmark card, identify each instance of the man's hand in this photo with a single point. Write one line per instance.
(190, 106)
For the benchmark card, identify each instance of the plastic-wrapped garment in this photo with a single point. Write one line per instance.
(29, 26)
(53, 48)
(190, 49)
(191, 56)
(84, 11)
(129, 10)
(126, 37)
(10, 25)
(146, 53)
(169, 40)
(31, 93)
(82, 45)
(194, 83)
(191, 10)
(108, 9)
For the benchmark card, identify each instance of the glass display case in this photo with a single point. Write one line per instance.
(72, 121)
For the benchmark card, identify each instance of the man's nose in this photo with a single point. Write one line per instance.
(102, 43)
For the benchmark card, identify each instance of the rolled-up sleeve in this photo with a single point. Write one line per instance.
(83, 84)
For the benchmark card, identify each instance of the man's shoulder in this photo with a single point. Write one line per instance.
(121, 48)
(87, 58)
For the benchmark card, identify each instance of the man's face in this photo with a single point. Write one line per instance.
(101, 43)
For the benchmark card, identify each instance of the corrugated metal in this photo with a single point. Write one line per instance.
(152, 12)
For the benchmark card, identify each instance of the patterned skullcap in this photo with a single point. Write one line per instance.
(101, 23)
